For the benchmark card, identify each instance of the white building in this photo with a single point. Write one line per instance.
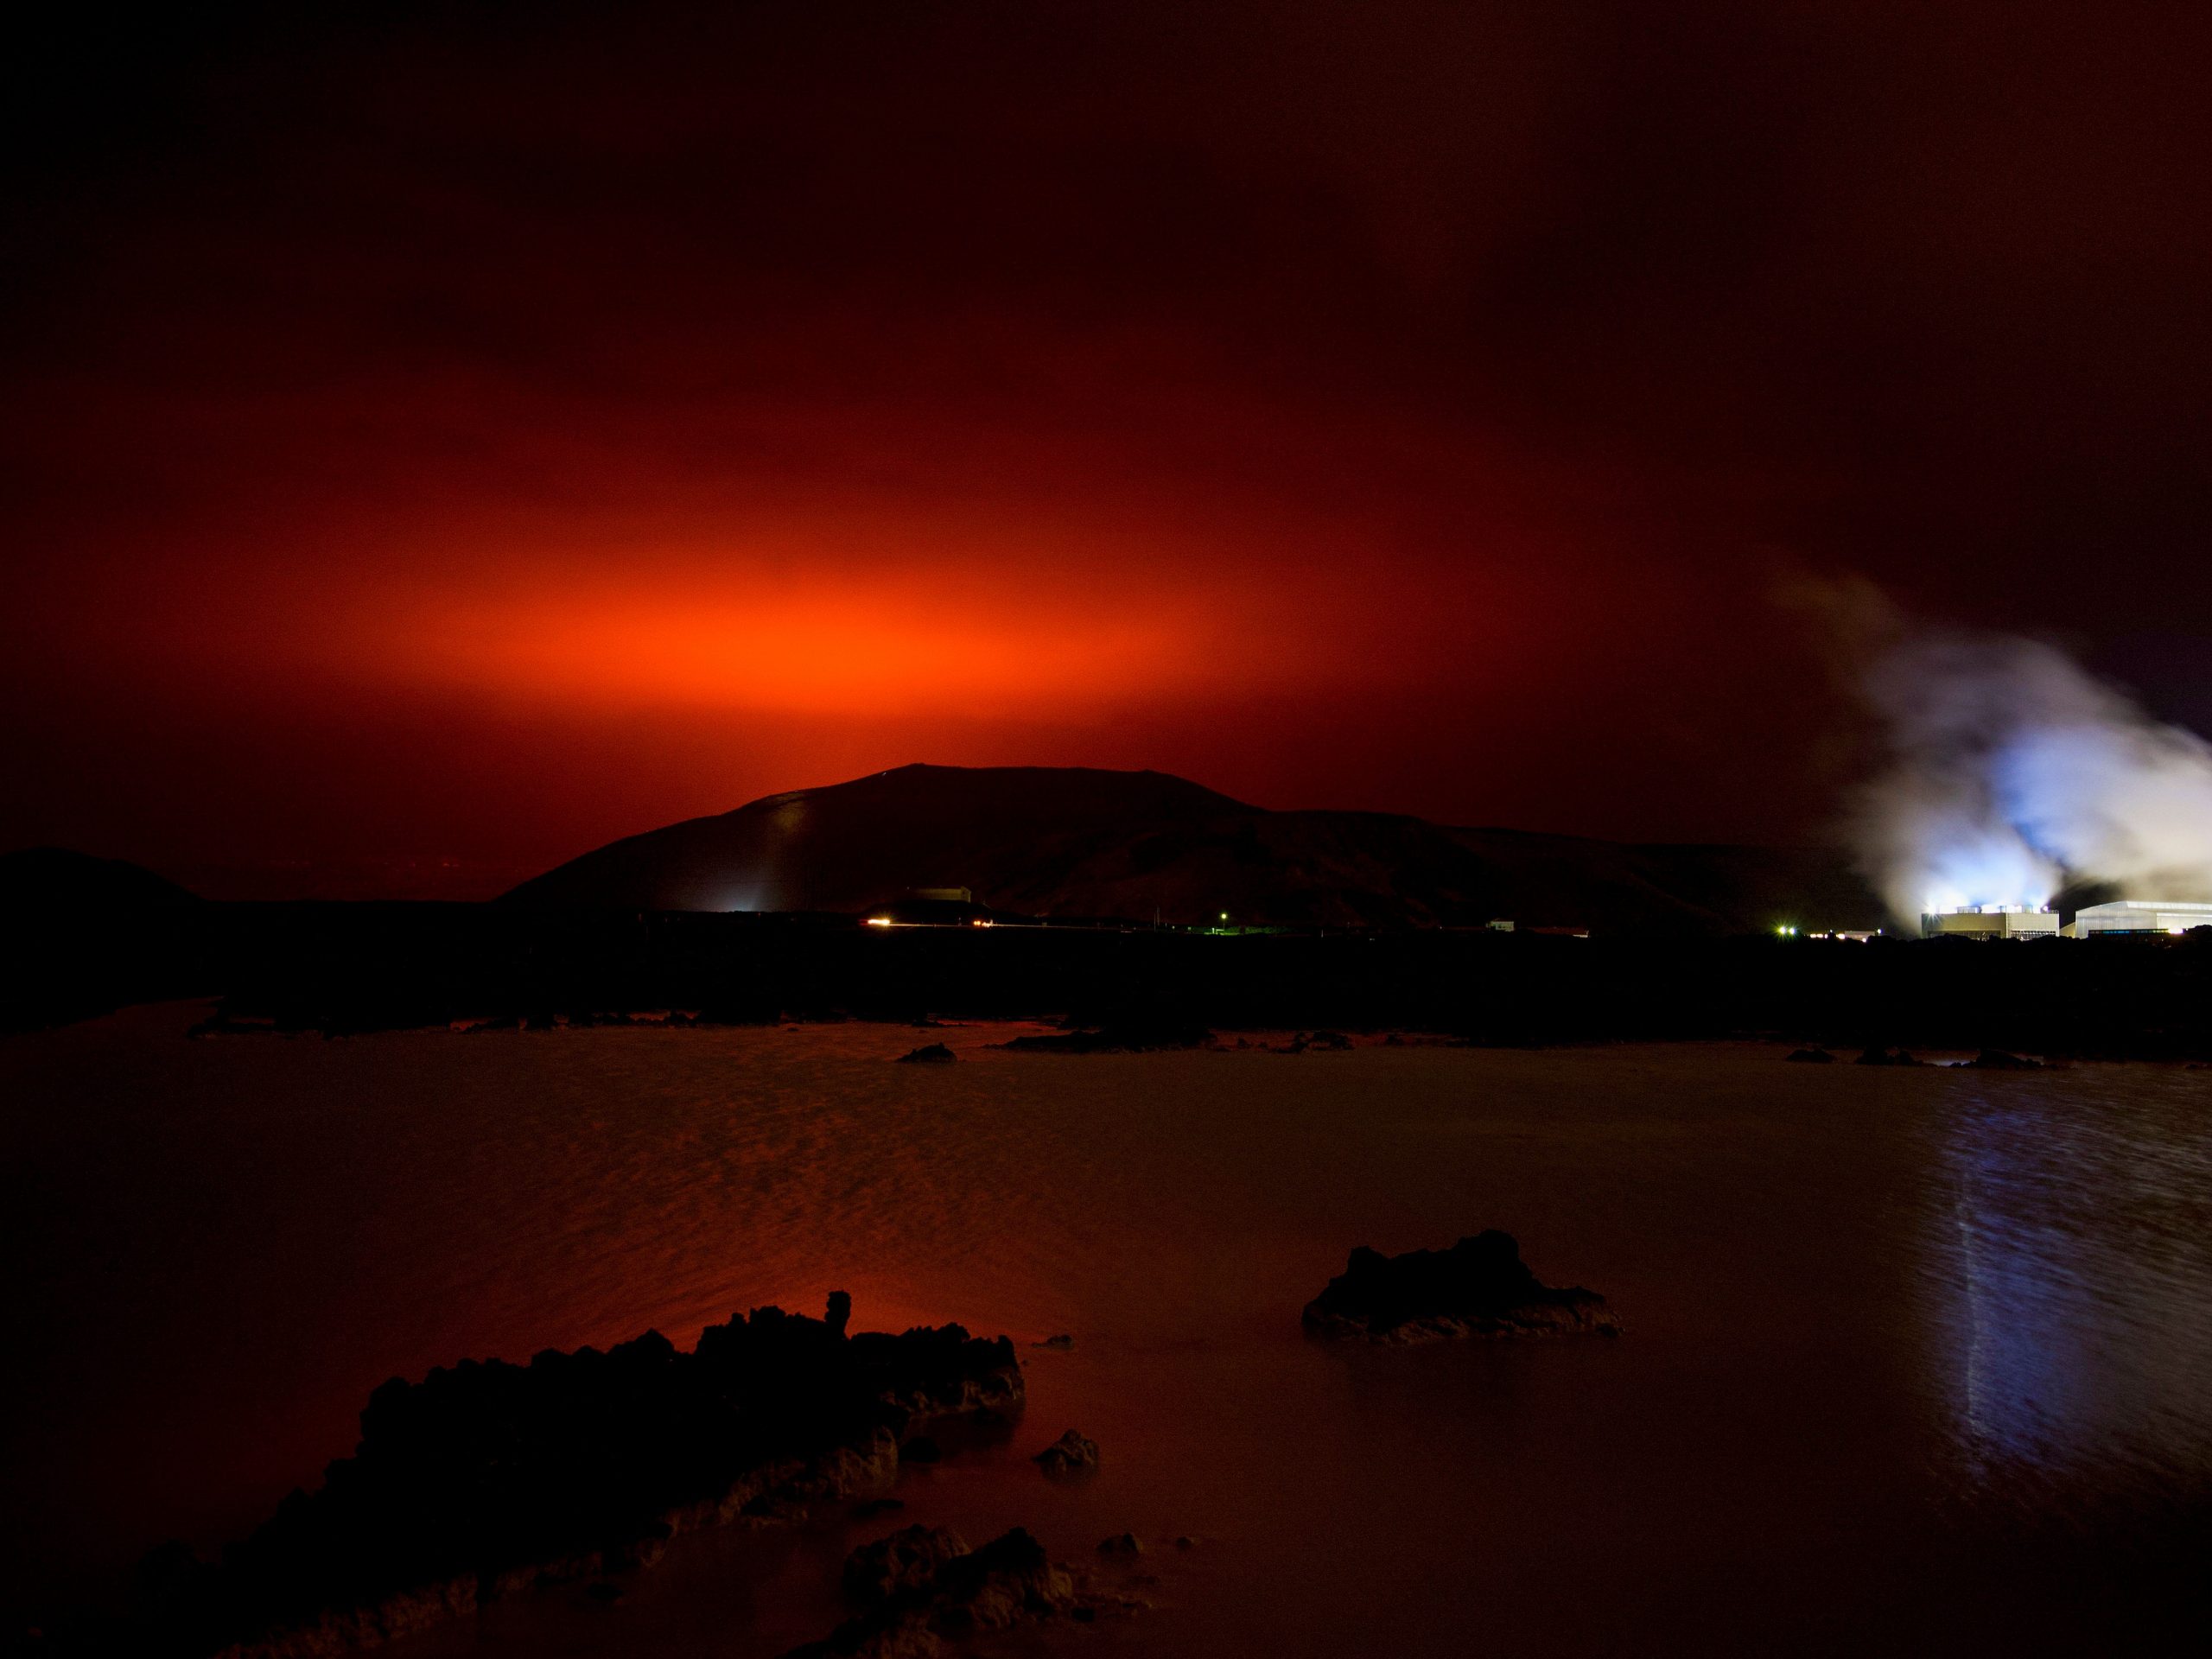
(2140, 916)
(1990, 922)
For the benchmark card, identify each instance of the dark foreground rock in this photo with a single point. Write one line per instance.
(487, 1478)
(907, 1560)
(1070, 1452)
(1996, 1059)
(927, 1588)
(1887, 1057)
(1114, 1039)
(929, 1054)
(1479, 1287)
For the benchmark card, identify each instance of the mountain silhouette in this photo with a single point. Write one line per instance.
(1067, 843)
(56, 882)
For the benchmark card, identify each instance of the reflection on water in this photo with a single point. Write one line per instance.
(2071, 1275)
(1842, 1289)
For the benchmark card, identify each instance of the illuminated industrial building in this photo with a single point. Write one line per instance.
(1990, 922)
(2139, 916)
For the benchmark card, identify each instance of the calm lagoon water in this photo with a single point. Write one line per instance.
(1916, 1358)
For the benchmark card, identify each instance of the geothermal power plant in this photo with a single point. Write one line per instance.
(2118, 918)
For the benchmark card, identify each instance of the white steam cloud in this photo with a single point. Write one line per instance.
(2011, 772)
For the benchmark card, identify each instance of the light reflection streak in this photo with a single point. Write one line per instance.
(2072, 1285)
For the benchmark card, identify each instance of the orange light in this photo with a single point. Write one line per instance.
(838, 618)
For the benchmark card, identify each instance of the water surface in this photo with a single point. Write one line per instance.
(1913, 1356)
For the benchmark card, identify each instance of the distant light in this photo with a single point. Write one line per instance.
(2176, 931)
(979, 921)
(1224, 915)
(879, 921)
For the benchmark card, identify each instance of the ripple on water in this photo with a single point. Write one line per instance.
(1878, 1321)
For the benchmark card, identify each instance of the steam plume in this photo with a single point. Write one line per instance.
(2011, 772)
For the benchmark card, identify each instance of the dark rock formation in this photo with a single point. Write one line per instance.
(1114, 1039)
(931, 1054)
(1332, 1042)
(1061, 1341)
(1996, 1059)
(907, 1560)
(1811, 1057)
(919, 1596)
(1070, 1452)
(1122, 1544)
(1479, 1286)
(1887, 1057)
(488, 1477)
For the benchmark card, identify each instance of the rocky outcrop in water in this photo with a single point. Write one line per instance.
(1071, 1452)
(1880, 1056)
(485, 1479)
(1811, 1057)
(927, 1588)
(907, 1560)
(1996, 1059)
(1479, 1287)
(929, 1054)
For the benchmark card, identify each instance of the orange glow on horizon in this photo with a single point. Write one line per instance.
(841, 619)
(813, 652)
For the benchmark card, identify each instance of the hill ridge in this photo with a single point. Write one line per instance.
(1093, 842)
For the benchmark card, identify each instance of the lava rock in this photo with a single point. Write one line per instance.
(1811, 1057)
(1122, 1546)
(906, 1560)
(1008, 1582)
(1070, 1452)
(1479, 1286)
(1887, 1057)
(1061, 1341)
(487, 1478)
(1996, 1059)
(931, 1054)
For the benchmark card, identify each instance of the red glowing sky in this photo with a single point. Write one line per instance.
(436, 448)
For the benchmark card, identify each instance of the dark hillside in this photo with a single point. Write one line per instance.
(1079, 842)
